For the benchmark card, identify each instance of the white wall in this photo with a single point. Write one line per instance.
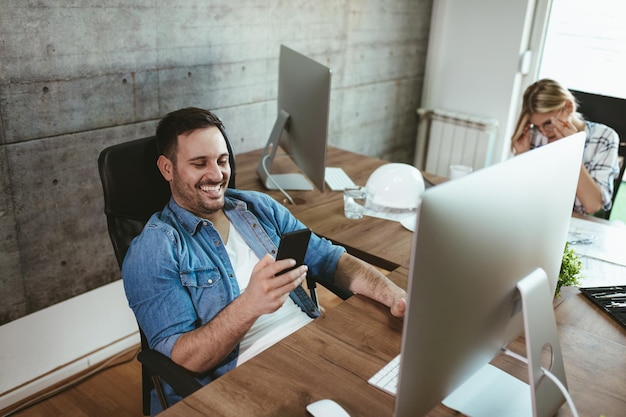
(474, 53)
(43, 348)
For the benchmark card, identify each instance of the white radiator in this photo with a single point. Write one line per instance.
(445, 138)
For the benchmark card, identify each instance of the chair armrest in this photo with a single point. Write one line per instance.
(338, 290)
(179, 378)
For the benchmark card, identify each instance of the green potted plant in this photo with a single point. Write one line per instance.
(569, 275)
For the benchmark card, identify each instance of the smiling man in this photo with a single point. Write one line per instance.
(549, 113)
(201, 278)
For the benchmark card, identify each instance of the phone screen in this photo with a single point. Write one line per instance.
(293, 245)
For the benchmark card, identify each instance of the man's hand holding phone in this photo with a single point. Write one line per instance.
(273, 279)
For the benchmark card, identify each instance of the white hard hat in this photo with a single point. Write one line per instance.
(394, 186)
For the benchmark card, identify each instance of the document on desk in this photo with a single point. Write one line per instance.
(391, 214)
(597, 273)
(598, 240)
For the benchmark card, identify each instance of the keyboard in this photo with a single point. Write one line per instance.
(386, 378)
(337, 179)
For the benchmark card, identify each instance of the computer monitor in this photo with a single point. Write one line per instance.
(301, 126)
(477, 239)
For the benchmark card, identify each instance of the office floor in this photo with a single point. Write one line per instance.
(114, 391)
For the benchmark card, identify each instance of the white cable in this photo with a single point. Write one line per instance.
(551, 376)
(515, 355)
(563, 389)
(274, 181)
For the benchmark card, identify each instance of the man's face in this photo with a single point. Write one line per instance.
(199, 174)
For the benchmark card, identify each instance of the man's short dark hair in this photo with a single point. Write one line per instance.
(180, 122)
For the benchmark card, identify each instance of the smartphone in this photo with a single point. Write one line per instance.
(293, 245)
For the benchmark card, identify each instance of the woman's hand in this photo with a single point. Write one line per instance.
(522, 144)
(562, 128)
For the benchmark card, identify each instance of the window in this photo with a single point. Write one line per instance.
(585, 47)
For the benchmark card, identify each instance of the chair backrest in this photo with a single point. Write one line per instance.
(134, 188)
(609, 111)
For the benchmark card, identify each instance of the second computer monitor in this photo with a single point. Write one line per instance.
(477, 237)
(301, 126)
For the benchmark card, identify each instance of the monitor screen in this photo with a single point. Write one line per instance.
(301, 126)
(476, 238)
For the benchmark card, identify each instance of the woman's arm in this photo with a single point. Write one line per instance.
(588, 192)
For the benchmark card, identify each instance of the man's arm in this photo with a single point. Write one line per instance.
(362, 278)
(205, 347)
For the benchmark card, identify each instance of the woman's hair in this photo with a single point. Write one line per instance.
(543, 96)
(180, 122)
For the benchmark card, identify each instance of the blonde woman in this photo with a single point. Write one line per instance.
(549, 113)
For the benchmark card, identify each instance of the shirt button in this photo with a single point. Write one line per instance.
(210, 281)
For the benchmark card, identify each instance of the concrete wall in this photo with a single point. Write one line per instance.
(77, 76)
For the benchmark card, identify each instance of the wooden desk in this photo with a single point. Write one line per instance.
(335, 355)
(323, 212)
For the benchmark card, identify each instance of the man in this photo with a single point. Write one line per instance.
(201, 278)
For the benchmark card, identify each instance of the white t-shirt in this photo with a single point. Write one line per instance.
(269, 328)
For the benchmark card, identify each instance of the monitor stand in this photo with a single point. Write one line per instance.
(281, 182)
(287, 182)
(492, 392)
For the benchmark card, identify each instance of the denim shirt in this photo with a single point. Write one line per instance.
(178, 276)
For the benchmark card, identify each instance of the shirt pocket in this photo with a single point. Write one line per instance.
(201, 278)
(207, 291)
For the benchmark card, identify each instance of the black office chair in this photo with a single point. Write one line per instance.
(134, 189)
(609, 111)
